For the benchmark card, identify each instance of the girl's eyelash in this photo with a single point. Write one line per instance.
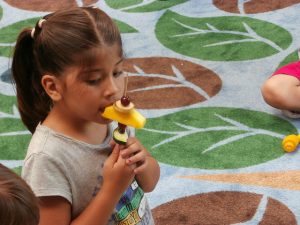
(117, 74)
(93, 82)
(96, 81)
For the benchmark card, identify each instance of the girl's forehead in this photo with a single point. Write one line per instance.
(98, 57)
(101, 59)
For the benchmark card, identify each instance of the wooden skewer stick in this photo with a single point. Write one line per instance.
(125, 84)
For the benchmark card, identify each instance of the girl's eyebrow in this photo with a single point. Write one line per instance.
(100, 69)
(93, 70)
(85, 73)
(121, 60)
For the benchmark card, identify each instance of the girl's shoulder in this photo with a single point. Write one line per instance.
(47, 141)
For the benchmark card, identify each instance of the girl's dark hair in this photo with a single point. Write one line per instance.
(65, 39)
(18, 204)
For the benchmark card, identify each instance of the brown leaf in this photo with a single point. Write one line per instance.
(254, 6)
(157, 72)
(221, 208)
(46, 6)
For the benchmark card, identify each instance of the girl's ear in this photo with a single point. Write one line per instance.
(52, 86)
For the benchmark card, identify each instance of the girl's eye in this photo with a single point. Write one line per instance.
(117, 74)
(93, 82)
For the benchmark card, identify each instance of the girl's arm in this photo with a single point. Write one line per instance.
(148, 176)
(147, 169)
(117, 176)
(57, 210)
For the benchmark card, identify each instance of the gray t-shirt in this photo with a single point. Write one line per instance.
(58, 165)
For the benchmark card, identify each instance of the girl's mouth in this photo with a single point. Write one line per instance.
(103, 108)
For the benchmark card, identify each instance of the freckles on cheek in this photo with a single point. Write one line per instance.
(79, 90)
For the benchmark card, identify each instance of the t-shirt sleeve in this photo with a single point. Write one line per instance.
(46, 177)
(292, 69)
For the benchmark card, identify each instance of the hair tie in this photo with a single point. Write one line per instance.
(32, 32)
(40, 23)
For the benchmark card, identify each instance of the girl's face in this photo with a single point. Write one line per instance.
(86, 92)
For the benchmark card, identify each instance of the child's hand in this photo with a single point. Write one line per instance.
(117, 175)
(135, 154)
(143, 165)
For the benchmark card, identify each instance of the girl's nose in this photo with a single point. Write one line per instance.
(111, 87)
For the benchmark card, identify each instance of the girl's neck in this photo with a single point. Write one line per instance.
(89, 132)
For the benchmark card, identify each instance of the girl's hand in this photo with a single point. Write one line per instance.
(117, 174)
(144, 166)
(135, 154)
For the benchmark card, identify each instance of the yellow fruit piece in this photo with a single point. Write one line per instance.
(132, 118)
(290, 143)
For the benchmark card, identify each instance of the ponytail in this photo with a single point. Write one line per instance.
(33, 102)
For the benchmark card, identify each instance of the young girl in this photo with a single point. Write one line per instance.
(67, 70)
(18, 205)
(282, 90)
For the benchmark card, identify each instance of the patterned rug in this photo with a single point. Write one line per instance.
(196, 68)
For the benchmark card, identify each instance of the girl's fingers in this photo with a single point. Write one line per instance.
(131, 140)
(137, 158)
(113, 158)
(112, 143)
(130, 150)
(139, 168)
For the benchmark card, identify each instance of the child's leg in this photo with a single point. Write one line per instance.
(282, 92)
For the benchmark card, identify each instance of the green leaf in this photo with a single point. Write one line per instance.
(293, 57)
(11, 125)
(139, 6)
(230, 38)
(125, 28)
(17, 170)
(10, 33)
(122, 4)
(7, 103)
(1, 12)
(156, 6)
(6, 51)
(14, 147)
(215, 138)
(14, 137)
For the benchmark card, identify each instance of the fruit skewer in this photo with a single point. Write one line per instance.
(125, 114)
